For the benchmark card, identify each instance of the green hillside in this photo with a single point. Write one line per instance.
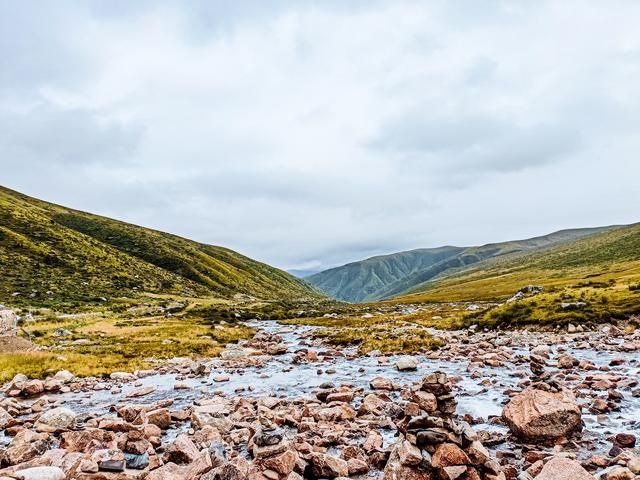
(49, 253)
(607, 258)
(387, 276)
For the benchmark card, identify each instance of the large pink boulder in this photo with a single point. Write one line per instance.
(537, 415)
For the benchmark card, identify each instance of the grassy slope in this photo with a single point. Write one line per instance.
(391, 275)
(359, 281)
(613, 254)
(600, 272)
(79, 257)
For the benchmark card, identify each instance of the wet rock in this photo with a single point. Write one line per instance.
(407, 363)
(537, 415)
(562, 468)
(136, 461)
(381, 383)
(32, 387)
(357, 466)
(141, 392)
(625, 440)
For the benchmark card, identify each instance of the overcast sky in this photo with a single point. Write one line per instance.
(309, 134)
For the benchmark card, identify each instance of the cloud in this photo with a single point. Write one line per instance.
(48, 135)
(306, 133)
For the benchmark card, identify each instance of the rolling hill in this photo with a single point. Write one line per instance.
(606, 260)
(53, 253)
(387, 276)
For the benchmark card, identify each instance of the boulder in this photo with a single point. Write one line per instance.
(538, 415)
(6, 420)
(41, 473)
(407, 363)
(182, 450)
(56, 420)
(562, 468)
(159, 417)
(328, 466)
(381, 383)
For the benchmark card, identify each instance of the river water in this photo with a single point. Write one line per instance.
(280, 377)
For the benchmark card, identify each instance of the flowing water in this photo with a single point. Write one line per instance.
(280, 377)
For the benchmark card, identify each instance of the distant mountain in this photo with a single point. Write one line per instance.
(302, 273)
(610, 258)
(52, 252)
(387, 276)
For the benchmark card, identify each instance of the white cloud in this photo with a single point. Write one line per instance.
(299, 133)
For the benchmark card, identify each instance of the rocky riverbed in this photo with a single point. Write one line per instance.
(284, 405)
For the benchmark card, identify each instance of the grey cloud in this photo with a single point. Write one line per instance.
(49, 135)
(304, 132)
(478, 143)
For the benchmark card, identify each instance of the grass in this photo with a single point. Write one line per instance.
(387, 333)
(54, 256)
(125, 336)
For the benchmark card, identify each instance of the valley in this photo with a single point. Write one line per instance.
(127, 353)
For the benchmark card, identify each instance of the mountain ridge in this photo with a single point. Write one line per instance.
(360, 281)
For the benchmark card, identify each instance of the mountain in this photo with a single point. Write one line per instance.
(302, 273)
(77, 256)
(387, 276)
(609, 259)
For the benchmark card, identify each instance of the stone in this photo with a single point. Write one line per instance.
(283, 463)
(394, 470)
(634, 465)
(372, 404)
(41, 473)
(328, 466)
(537, 415)
(625, 440)
(169, 471)
(407, 363)
(409, 455)
(182, 450)
(33, 387)
(357, 466)
(567, 361)
(562, 468)
(64, 376)
(25, 446)
(137, 461)
(449, 455)
(620, 473)
(79, 441)
(6, 420)
(159, 417)
(427, 401)
(56, 420)
(381, 383)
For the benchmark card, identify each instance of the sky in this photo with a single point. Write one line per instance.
(307, 134)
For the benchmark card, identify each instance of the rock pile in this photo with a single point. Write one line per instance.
(435, 445)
